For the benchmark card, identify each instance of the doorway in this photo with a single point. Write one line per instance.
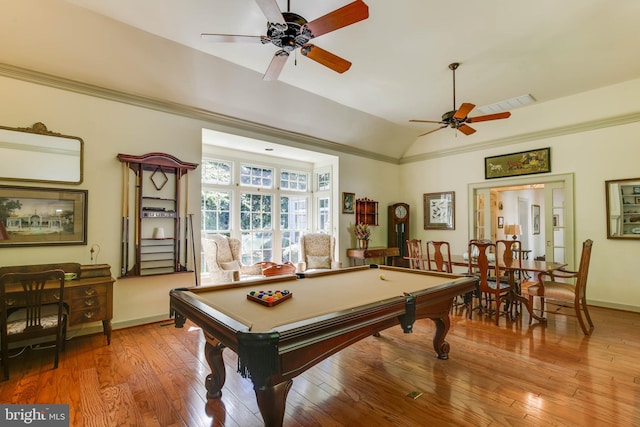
(554, 199)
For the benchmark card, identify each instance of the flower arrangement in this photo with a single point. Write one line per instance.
(362, 231)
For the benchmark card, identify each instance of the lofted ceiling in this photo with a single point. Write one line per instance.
(400, 54)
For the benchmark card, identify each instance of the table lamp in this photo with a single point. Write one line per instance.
(514, 230)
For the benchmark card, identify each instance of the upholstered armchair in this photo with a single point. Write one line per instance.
(317, 252)
(223, 256)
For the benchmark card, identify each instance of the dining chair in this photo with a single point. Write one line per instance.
(492, 293)
(415, 255)
(37, 312)
(439, 256)
(506, 255)
(565, 289)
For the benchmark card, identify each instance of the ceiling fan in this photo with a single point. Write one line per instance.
(290, 31)
(457, 119)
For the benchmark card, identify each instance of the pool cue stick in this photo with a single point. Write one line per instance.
(186, 223)
(125, 199)
(193, 249)
(136, 225)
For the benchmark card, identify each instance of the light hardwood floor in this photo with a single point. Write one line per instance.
(514, 374)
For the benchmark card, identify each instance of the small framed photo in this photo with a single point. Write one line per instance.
(636, 190)
(535, 218)
(348, 203)
(637, 200)
(500, 222)
(439, 211)
(556, 221)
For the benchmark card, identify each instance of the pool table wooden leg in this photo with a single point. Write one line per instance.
(215, 380)
(272, 401)
(439, 344)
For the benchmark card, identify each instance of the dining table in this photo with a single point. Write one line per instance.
(517, 265)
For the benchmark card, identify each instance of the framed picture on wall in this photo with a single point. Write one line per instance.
(348, 202)
(439, 211)
(500, 222)
(32, 216)
(535, 219)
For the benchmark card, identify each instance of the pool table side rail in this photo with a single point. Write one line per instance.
(318, 273)
(184, 306)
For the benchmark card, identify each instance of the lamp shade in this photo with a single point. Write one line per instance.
(513, 230)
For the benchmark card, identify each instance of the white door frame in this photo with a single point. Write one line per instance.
(567, 182)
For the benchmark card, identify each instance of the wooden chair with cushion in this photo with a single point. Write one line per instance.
(42, 312)
(564, 288)
(414, 254)
(223, 256)
(492, 293)
(317, 252)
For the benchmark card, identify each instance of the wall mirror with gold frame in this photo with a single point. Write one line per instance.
(623, 208)
(39, 155)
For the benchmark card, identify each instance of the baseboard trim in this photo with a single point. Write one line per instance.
(614, 306)
(95, 328)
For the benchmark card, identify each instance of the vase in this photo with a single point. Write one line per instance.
(363, 244)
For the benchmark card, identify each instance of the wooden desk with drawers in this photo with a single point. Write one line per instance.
(89, 296)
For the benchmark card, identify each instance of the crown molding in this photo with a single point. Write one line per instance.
(290, 138)
(619, 120)
(284, 137)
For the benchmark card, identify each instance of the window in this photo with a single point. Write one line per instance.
(324, 181)
(324, 215)
(216, 206)
(294, 181)
(216, 172)
(256, 213)
(323, 198)
(293, 223)
(256, 176)
(266, 206)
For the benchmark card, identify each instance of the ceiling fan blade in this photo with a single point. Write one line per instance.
(325, 58)
(488, 117)
(276, 66)
(467, 130)
(434, 130)
(346, 15)
(425, 121)
(272, 12)
(463, 111)
(232, 38)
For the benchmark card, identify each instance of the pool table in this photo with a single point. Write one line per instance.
(328, 311)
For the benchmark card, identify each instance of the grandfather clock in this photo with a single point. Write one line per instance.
(398, 231)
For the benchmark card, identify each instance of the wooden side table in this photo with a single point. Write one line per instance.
(364, 254)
